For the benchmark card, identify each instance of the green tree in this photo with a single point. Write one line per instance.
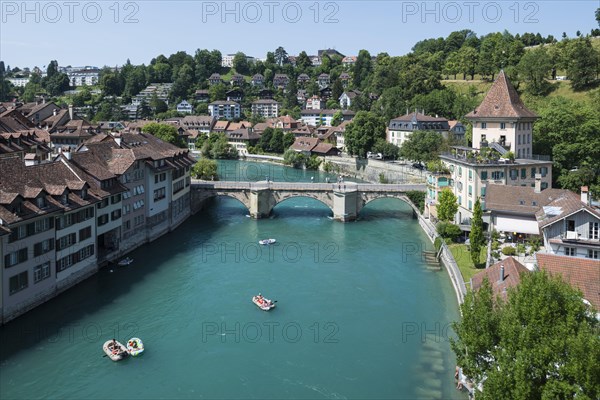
(4, 84)
(541, 343)
(468, 58)
(452, 65)
(158, 105)
(338, 118)
(205, 169)
(281, 56)
(388, 150)
(476, 236)
(598, 15)
(362, 68)
(217, 92)
(362, 133)
(303, 62)
(218, 147)
(583, 66)
(336, 90)
(288, 140)
(240, 63)
(422, 146)
(294, 158)
(166, 133)
(534, 68)
(447, 205)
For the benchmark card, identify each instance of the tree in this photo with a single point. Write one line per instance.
(4, 84)
(452, 65)
(303, 62)
(336, 90)
(158, 105)
(217, 92)
(468, 58)
(541, 343)
(388, 150)
(476, 236)
(205, 169)
(281, 56)
(362, 68)
(447, 205)
(422, 146)
(218, 147)
(583, 65)
(288, 140)
(534, 68)
(362, 133)
(598, 15)
(166, 133)
(337, 119)
(294, 158)
(240, 63)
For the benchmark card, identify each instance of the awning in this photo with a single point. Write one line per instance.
(517, 224)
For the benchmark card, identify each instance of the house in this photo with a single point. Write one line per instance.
(503, 119)
(265, 94)
(280, 81)
(235, 95)
(345, 78)
(108, 126)
(349, 61)
(347, 97)
(512, 209)
(323, 149)
(202, 95)
(301, 96)
(325, 93)
(237, 80)
(30, 145)
(220, 127)
(400, 128)
(266, 108)
(257, 80)
(314, 103)
(303, 79)
(457, 131)
(185, 108)
(192, 126)
(324, 116)
(500, 123)
(38, 112)
(581, 273)
(224, 109)
(316, 61)
(330, 53)
(84, 77)
(502, 276)
(303, 131)
(323, 80)
(241, 138)
(215, 79)
(305, 145)
(227, 60)
(570, 225)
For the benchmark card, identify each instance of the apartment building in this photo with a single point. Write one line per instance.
(266, 108)
(224, 110)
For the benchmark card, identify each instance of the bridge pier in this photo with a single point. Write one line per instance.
(261, 203)
(346, 205)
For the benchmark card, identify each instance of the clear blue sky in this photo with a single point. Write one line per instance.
(108, 32)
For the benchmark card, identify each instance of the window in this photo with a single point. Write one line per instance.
(159, 194)
(43, 247)
(459, 171)
(18, 282)
(15, 257)
(483, 175)
(102, 220)
(544, 185)
(483, 191)
(470, 174)
(40, 202)
(595, 254)
(470, 190)
(503, 126)
(528, 138)
(483, 125)
(544, 171)
(64, 263)
(523, 173)
(533, 171)
(570, 251)
(593, 234)
(483, 138)
(497, 175)
(41, 272)
(66, 241)
(116, 214)
(571, 225)
(460, 200)
(43, 225)
(459, 186)
(85, 233)
(115, 199)
(514, 173)
(518, 139)
(103, 203)
(86, 252)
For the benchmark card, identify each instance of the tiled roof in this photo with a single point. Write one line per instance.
(519, 199)
(243, 134)
(562, 206)
(502, 101)
(323, 148)
(220, 125)
(305, 144)
(581, 273)
(418, 117)
(512, 276)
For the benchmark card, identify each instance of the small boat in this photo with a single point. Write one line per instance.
(124, 262)
(135, 346)
(263, 303)
(115, 353)
(267, 241)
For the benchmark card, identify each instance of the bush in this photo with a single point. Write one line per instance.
(535, 242)
(495, 245)
(437, 243)
(382, 178)
(417, 198)
(509, 251)
(448, 230)
(521, 248)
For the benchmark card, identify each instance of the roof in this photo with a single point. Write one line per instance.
(501, 101)
(224, 103)
(581, 273)
(305, 143)
(324, 148)
(327, 112)
(562, 206)
(418, 117)
(512, 276)
(220, 125)
(265, 101)
(519, 199)
(243, 134)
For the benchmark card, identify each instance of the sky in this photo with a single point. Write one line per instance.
(98, 33)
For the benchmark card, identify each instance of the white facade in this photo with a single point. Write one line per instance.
(185, 107)
(227, 60)
(19, 82)
(83, 78)
(266, 108)
(224, 110)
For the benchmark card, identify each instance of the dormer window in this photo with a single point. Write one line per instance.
(64, 199)
(83, 193)
(40, 202)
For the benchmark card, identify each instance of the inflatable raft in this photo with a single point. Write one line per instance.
(135, 346)
(115, 353)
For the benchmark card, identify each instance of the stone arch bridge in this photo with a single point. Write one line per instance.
(344, 199)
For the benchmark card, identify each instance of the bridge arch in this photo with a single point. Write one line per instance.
(370, 197)
(282, 197)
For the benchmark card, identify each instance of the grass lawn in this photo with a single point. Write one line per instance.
(463, 259)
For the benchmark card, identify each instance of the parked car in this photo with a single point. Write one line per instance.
(418, 166)
(377, 156)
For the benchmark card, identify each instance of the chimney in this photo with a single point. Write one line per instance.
(54, 112)
(538, 183)
(585, 195)
(71, 112)
(501, 273)
(67, 153)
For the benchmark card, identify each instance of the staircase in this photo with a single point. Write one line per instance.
(498, 147)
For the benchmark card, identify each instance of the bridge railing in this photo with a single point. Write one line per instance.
(307, 186)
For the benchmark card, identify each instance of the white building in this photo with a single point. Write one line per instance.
(19, 82)
(185, 107)
(266, 108)
(224, 110)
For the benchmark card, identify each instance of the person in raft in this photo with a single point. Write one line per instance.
(114, 347)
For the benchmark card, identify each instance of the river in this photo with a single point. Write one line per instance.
(359, 313)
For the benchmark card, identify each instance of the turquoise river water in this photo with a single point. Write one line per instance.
(359, 314)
